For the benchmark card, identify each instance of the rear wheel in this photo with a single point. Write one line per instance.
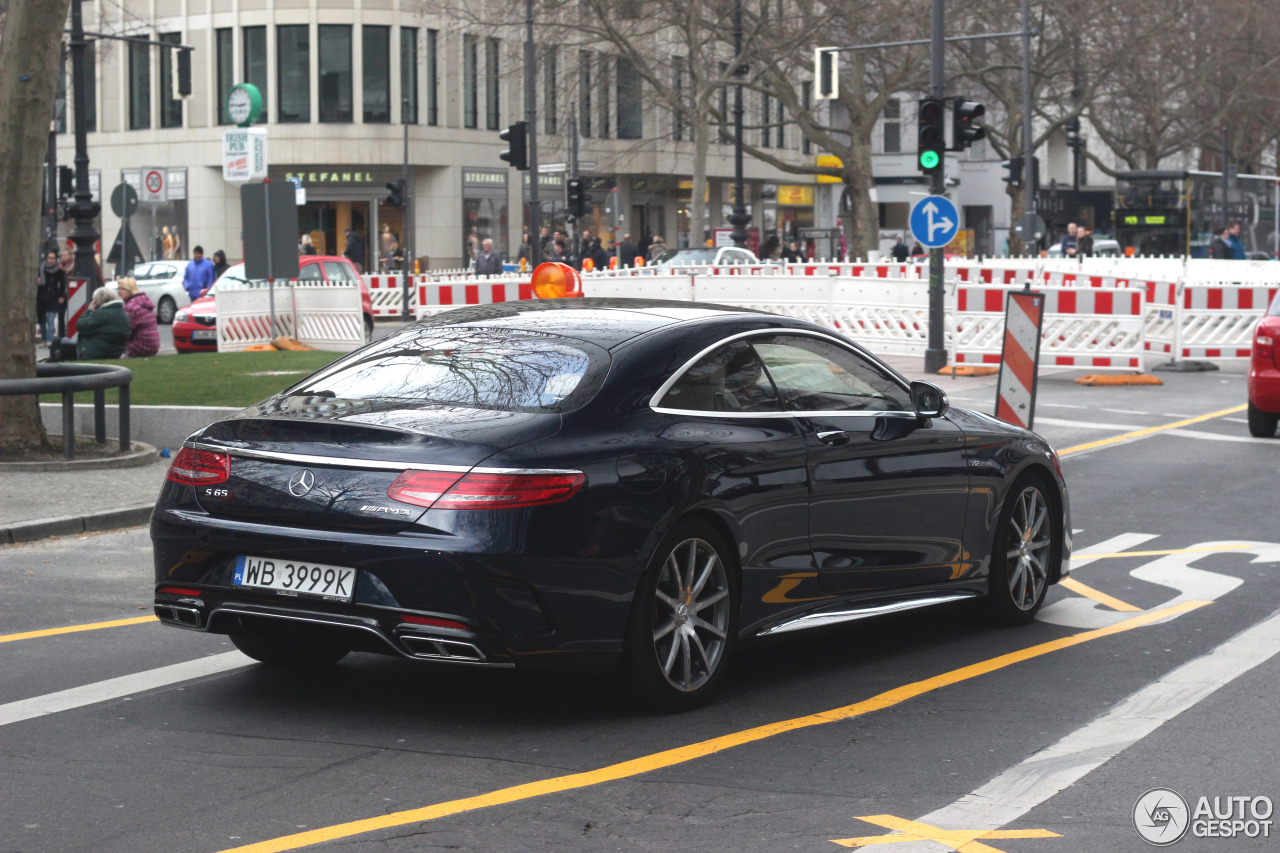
(1028, 538)
(684, 620)
(165, 311)
(1262, 424)
(286, 652)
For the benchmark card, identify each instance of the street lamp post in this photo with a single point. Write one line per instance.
(85, 210)
(739, 219)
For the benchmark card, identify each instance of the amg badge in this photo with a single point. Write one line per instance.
(387, 509)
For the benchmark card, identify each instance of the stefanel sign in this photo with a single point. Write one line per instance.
(244, 154)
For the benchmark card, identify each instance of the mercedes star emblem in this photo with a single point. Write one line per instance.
(301, 483)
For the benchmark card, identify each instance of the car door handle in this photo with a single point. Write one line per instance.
(833, 437)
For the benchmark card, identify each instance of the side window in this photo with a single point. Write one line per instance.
(814, 375)
(336, 271)
(310, 272)
(730, 379)
(159, 271)
(142, 272)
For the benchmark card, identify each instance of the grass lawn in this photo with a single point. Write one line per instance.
(211, 378)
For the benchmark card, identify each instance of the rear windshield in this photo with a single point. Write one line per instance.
(502, 369)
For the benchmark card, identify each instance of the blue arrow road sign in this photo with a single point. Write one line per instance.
(934, 221)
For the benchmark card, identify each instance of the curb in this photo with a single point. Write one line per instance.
(69, 525)
(141, 454)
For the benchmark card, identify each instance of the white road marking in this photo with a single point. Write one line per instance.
(115, 688)
(1022, 788)
(1123, 412)
(1062, 405)
(1114, 545)
(1088, 424)
(1237, 420)
(1215, 436)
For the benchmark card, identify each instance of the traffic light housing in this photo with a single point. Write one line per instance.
(826, 74)
(577, 198)
(964, 129)
(184, 72)
(516, 136)
(396, 199)
(66, 182)
(1014, 165)
(931, 144)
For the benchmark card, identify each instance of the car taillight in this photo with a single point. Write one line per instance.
(1264, 343)
(438, 490)
(200, 467)
(179, 590)
(434, 623)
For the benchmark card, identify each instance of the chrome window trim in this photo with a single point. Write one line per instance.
(369, 464)
(666, 386)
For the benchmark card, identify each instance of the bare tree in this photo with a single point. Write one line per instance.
(30, 51)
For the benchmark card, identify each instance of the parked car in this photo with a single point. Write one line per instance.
(1264, 374)
(161, 281)
(195, 328)
(1103, 247)
(707, 255)
(599, 484)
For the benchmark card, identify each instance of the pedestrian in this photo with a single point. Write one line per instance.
(656, 248)
(792, 254)
(1234, 241)
(1220, 248)
(627, 252)
(102, 332)
(199, 274)
(1084, 243)
(220, 266)
(546, 241)
(559, 252)
(599, 257)
(488, 262)
(916, 249)
(899, 251)
(642, 248)
(305, 246)
(770, 248)
(144, 337)
(1069, 241)
(526, 249)
(51, 296)
(355, 248)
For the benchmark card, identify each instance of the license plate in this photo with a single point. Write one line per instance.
(204, 335)
(288, 577)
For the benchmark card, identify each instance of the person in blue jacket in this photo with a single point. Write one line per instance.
(199, 274)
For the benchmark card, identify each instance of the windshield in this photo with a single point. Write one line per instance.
(687, 256)
(503, 369)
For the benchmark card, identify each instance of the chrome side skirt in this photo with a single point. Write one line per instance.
(849, 614)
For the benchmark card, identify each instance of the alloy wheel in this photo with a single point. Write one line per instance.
(1029, 545)
(691, 614)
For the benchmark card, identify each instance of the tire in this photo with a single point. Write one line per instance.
(684, 620)
(287, 653)
(165, 311)
(1261, 424)
(1028, 539)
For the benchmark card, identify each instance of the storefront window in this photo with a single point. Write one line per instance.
(160, 230)
(335, 74)
(255, 65)
(293, 73)
(377, 74)
(484, 212)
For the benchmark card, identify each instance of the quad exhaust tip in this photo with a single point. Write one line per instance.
(174, 614)
(441, 648)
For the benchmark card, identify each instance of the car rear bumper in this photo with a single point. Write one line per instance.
(1264, 386)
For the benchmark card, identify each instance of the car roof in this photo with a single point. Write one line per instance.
(607, 322)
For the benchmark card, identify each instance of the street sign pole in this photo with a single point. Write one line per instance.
(935, 355)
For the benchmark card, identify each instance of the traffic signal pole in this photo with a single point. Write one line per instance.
(935, 354)
(531, 116)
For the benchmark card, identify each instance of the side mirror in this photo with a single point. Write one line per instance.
(929, 400)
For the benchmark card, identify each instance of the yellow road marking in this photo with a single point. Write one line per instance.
(1100, 597)
(683, 754)
(1093, 445)
(72, 629)
(1087, 556)
(956, 839)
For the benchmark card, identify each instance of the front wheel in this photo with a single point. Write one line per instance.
(165, 311)
(1028, 539)
(1262, 424)
(684, 620)
(286, 652)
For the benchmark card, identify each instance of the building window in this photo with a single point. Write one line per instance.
(376, 63)
(677, 84)
(766, 135)
(780, 139)
(408, 75)
(255, 66)
(584, 92)
(806, 97)
(293, 73)
(491, 84)
(90, 87)
(139, 86)
(433, 76)
(630, 101)
(60, 99)
(603, 106)
(335, 73)
(549, 105)
(470, 83)
(724, 107)
(224, 46)
(170, 102)
(892, 125)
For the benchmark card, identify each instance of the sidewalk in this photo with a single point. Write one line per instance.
(36, 505)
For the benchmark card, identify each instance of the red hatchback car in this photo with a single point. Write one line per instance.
(195, 327)
(1264, 374)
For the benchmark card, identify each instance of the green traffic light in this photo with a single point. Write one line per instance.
(929, 159)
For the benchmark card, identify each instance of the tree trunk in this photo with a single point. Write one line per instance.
(862, 223)
(697, 204)
(30, 52)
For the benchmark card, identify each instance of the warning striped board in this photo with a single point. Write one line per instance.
(77, 301)
(1016, 390)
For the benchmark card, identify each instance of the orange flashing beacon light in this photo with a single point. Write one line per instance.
(556, 281)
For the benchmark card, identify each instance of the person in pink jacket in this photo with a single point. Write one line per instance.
(145, 339)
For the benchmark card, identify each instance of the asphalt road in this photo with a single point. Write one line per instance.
(932, 724)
